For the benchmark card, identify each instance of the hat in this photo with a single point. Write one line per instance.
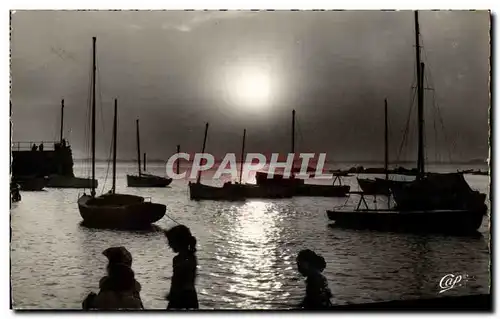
(118, 255)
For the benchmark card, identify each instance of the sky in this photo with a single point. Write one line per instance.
(177, 70)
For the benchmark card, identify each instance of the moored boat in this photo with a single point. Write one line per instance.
(297, 186)
(114, 210)
(143, 179)
(147, 180)
(228, 192)
(433, 202)
(119, 211)
(446, 221)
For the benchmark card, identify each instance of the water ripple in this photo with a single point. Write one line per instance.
(246, 252)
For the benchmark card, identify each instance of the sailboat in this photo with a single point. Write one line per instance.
(379, 186)
(67, 180)
(228, 192)
(441, 203)
(142, 179)
(298, 186)
(268, 191)
(114, 210)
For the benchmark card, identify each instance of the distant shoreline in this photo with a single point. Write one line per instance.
(358, 162)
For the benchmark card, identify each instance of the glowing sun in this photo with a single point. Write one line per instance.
(249, 88)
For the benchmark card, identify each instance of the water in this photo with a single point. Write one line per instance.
(246, 251)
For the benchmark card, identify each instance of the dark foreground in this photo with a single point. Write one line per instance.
(481, 302)
(474, 303)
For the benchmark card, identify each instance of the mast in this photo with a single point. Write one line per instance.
(420, 97)
(115, 129)
(293, 132)
(203, 151)
(242, 154)
(386, 143)
(144, 161)
(62, 121)
(92, 192)
(178, 151)
(138, 147)
(421, 169)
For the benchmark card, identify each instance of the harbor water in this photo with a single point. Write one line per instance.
(246, 251)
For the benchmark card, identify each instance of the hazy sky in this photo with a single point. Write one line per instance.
(177, 70)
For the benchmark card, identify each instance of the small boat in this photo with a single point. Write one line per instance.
(147, 180)
(228, 192)
(114, 210)
(297, 186)
(264, 191)
(446, 221)
(119, 211)
(31, 183)
(143, 179)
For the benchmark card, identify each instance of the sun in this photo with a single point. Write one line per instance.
(249, 88)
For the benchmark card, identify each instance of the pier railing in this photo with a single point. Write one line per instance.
(27, 146)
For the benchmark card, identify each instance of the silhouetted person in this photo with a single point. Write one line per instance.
(41, 147)
(14, 192)
(63, 142)
(311, 265)
(34, 147)
(117, 292)
(119, 284)
(182, 293)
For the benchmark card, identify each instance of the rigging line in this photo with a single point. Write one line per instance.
(172, 219)
(98, 72)
(436, 144)
(407, 125)
(437, 111)
(413, 94)
(445, 135)
(87, 127)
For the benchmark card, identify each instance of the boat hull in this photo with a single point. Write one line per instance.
(147, 181)
(32, 184)
(297, 187)
(266, 192)
(378, 186)
(119, 211)
(263, 178)
(435, 221)
(198, 191)
(59, 181)
(322, 190)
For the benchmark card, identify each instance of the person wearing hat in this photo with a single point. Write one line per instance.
(311, 266)
(119, 289)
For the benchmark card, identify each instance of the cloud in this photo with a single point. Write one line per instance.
(196, 19)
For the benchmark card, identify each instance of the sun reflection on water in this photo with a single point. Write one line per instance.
(254, 254)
